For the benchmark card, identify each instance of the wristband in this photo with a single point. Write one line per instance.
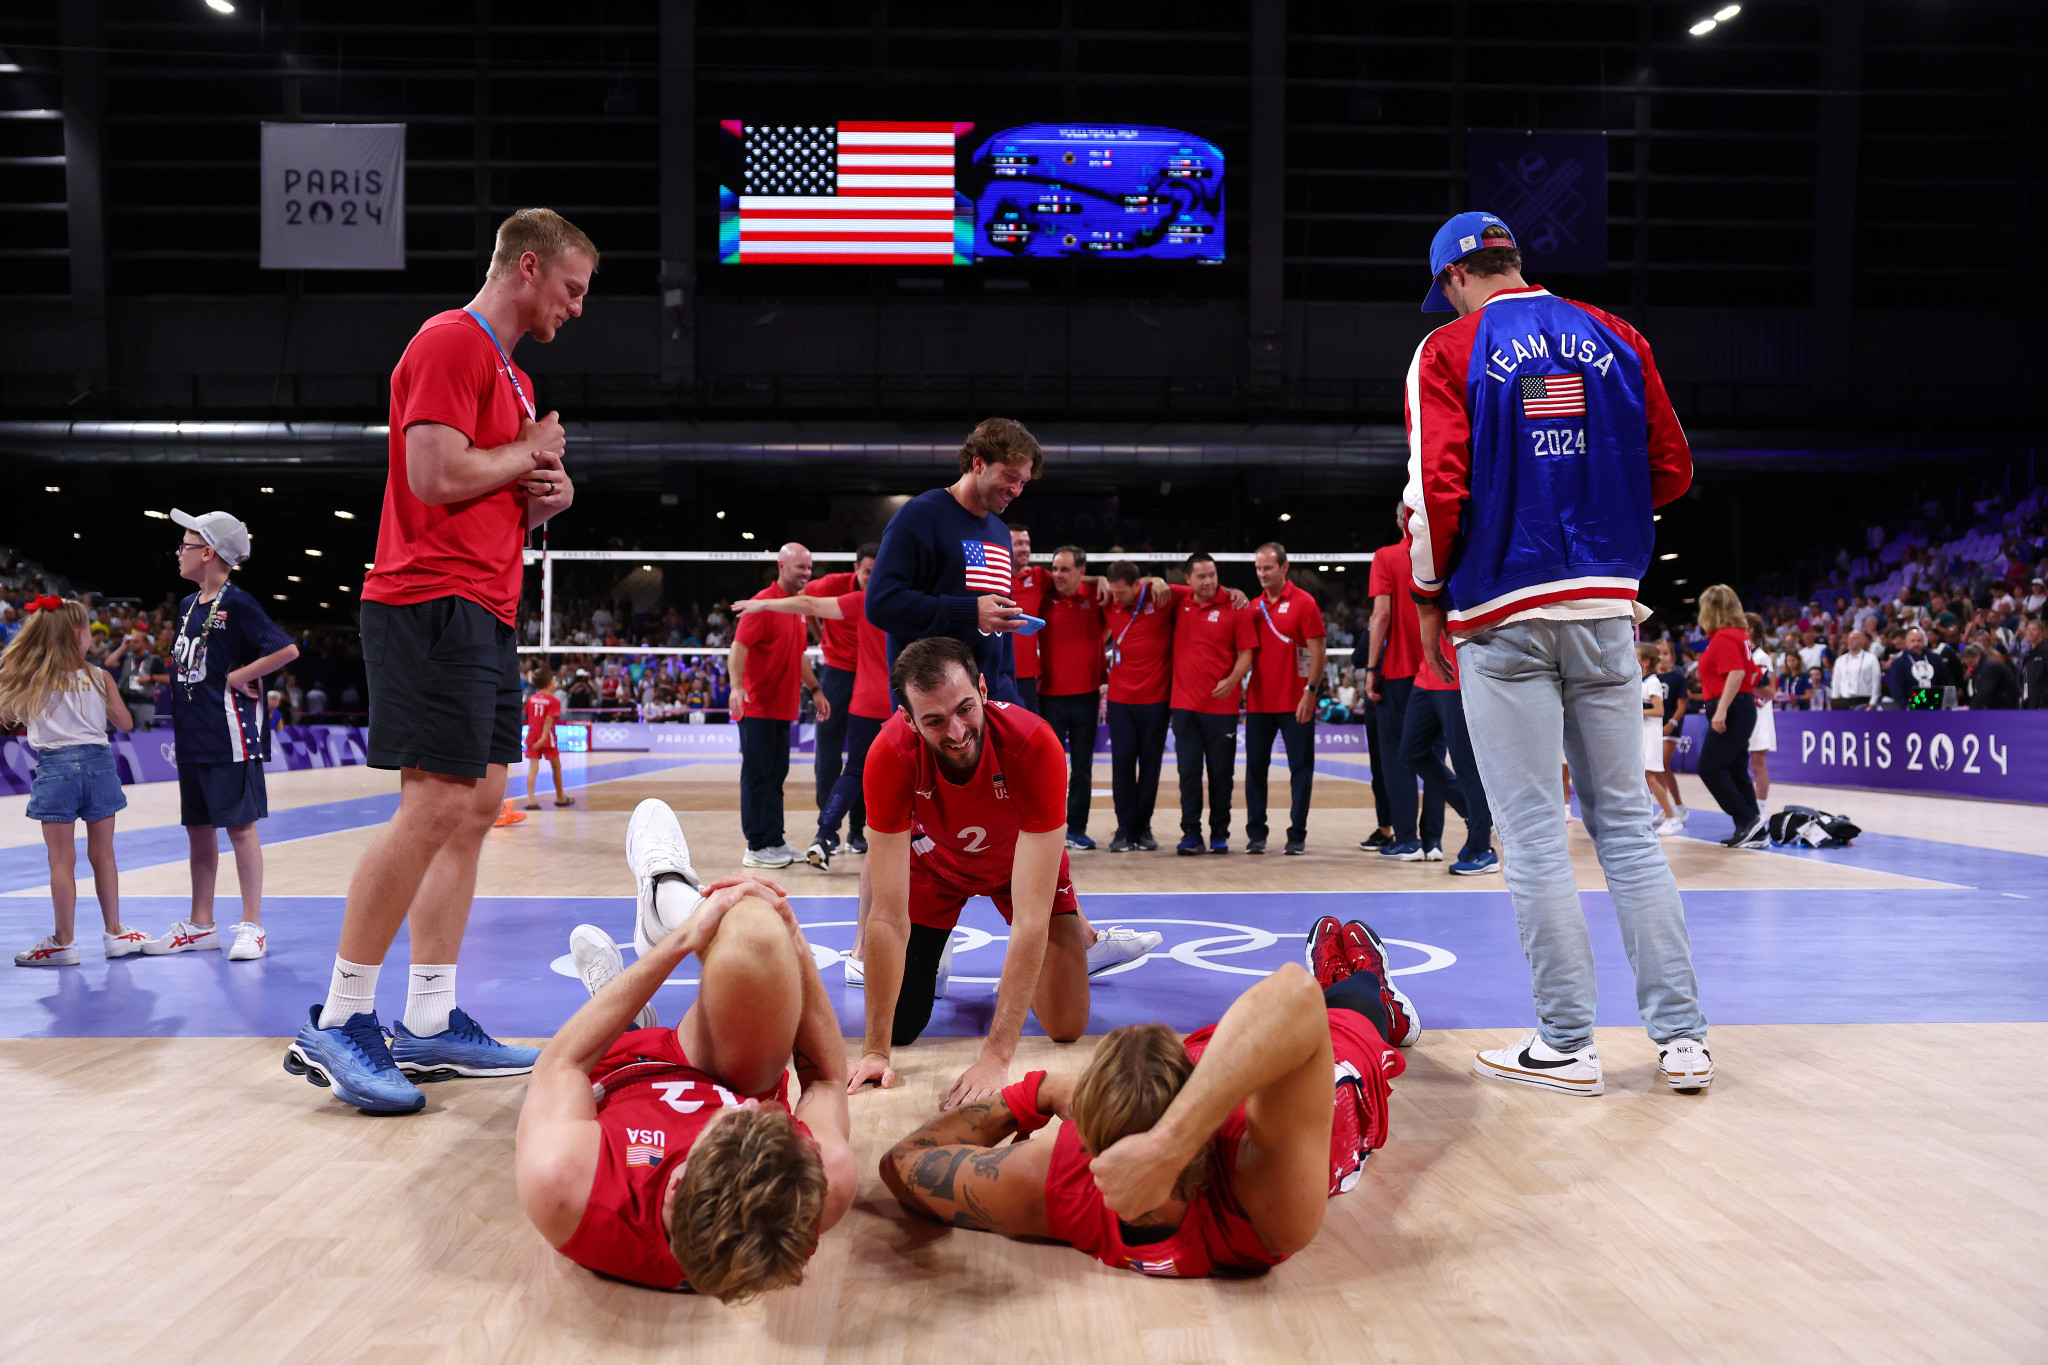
(1416, 595)
(1023, 1101)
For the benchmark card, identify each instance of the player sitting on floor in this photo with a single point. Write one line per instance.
(1180, 1156)
(671, 1157)
(967, 797)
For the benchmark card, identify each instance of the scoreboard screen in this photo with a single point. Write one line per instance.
(1090, 191)
(571, 738)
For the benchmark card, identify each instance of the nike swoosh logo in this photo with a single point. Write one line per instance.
(1535, 1065)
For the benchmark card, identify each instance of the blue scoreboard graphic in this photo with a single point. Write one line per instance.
(1109, 192)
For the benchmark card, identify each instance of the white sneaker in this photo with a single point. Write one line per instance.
(1114, 947)
(856, 974)
(48, 954)
(1687, 1064)
(780, 855)
(819, 856)
(655, 848)
(124, 942)
(183, 937)
(249, 942)
(945, 970)
(1684, 814)
(599, 962)
(1668, 826)
(1535, 1062)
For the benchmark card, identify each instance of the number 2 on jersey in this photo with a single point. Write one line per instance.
(974, 844)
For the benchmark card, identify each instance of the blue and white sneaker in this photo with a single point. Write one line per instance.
(461, 1049)
(1408, 852)
(353, 1061)
(1478, 865)
(1080, 843)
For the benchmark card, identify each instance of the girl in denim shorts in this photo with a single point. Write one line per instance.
(46, 683)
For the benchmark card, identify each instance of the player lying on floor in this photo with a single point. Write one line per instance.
(968, 797)
(1179, 1156)
(671, 1157)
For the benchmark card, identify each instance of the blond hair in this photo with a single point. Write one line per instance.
(744, 1217)
(1129, 1084)
(40, 656)
(1720, 608)
(544, 232)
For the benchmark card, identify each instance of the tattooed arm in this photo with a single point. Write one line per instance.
(952, 1171)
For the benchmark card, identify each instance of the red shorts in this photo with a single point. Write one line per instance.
(550, 752)
(938, 893)
(641, 1054)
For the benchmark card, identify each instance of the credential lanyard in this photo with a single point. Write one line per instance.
(1118, 647)
(1269, 622)
(506, 360)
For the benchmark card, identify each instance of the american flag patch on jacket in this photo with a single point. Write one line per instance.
(988, 567)
(1166, 1267)
(643, 1154)
(1553, 395)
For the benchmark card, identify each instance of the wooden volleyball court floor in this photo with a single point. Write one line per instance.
(1863, 1182)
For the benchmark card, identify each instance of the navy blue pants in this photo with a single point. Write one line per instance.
(1137, 748)
(1401, 802)
(764, 766)
(847, 797)
(1027, 689)
(1202, 740)
(1072, 718)
(1382, 813)
(837, 684)
(1300, 738)
(1436, 720)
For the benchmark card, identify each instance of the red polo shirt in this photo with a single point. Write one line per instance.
(1390, 578)
(1033, 583)
(840, 640)
(1143, 638)
(775, 649)
(1206, 639)
(1070, 657)
(1426, 681)
(871, 697)
(1281, 629)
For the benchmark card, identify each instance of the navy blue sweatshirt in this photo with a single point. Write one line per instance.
(919, 587)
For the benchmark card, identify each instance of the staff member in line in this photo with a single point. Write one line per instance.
(1286, 671)
(1394, 649)
(1213, 642)
(1033, 583)
(838, 645)
(768, 664)
(1140, 618)
(1070, 667)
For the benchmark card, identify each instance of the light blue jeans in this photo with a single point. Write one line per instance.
(1538, 693)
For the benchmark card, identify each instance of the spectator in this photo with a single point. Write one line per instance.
(1915, 678)
(2036, 599)
(1763, 737)
(2033, 666)
(141, 673)
(1992, 686)
(1857, 677)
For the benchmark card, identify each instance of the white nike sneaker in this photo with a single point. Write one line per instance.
(1114, 947)
(945, 970)
(655, 848)
(48, 954)
(1535, 1062)
(183, 937)
(1687, 1064)
(248, 942)
(778, 855)
(123, 942)
(856, 974)
(1668, 826)
(599, 962)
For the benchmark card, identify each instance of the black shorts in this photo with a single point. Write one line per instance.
(222, 794)
(444, 687)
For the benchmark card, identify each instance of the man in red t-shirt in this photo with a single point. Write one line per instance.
(1213, 642)
(1179, 1157)
(768, 665)
(543, 709)
(1393, 657)
(473, 468)
(675, 1157)
(1286, 672)
(1435, 721)
(1070, 677)
(1140, 617)
(1033, 583)
(839, 642)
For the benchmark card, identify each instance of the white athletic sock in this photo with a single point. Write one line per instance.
(429, 996)
(351, 991)
(675, 900)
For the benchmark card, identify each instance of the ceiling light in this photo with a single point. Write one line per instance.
(1340, 568)
(50, 488)
(76, 536)
(160, 516)
(314, 553)
(345, 516)
(746, 535)
(369, 566)
(1667, 557)
(1322, 568)
(1702, 28)
(1680, 582)
(346, 588)
(646, 568)
(277, 597)
(1287, 516)
(1659, 516)
(721, 516)
(1727, 12)
(9, 69)
(293, 578)
(323, 604)
(220, 6)
(266, 490)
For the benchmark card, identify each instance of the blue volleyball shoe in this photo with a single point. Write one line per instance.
(461, 1049)
(352, 1061)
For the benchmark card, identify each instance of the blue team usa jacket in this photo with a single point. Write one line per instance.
(1540, 438)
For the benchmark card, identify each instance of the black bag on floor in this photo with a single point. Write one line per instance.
(1810, 828)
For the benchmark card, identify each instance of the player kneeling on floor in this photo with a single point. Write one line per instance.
(967, 797)
(672, 1157)
(1179, 1156)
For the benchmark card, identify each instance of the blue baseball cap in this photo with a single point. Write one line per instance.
(1454, 241)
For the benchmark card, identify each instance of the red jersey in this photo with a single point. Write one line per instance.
(450, 375)
(775, 649)
(1070, 649)
(1141, 647)
(651, 1104)
(539, 708)
(1216, 1231)
(1283, 630)
(1426, 681)
(1206, 639)
(1033, 583)
(871, 659)
(1391, 578)
(1727, 652)
(971, 826)
(839, 640)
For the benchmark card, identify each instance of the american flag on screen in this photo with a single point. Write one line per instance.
(1553, 395)
(988, 567)
(856, 192)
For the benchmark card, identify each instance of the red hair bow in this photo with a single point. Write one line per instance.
(45, 602)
